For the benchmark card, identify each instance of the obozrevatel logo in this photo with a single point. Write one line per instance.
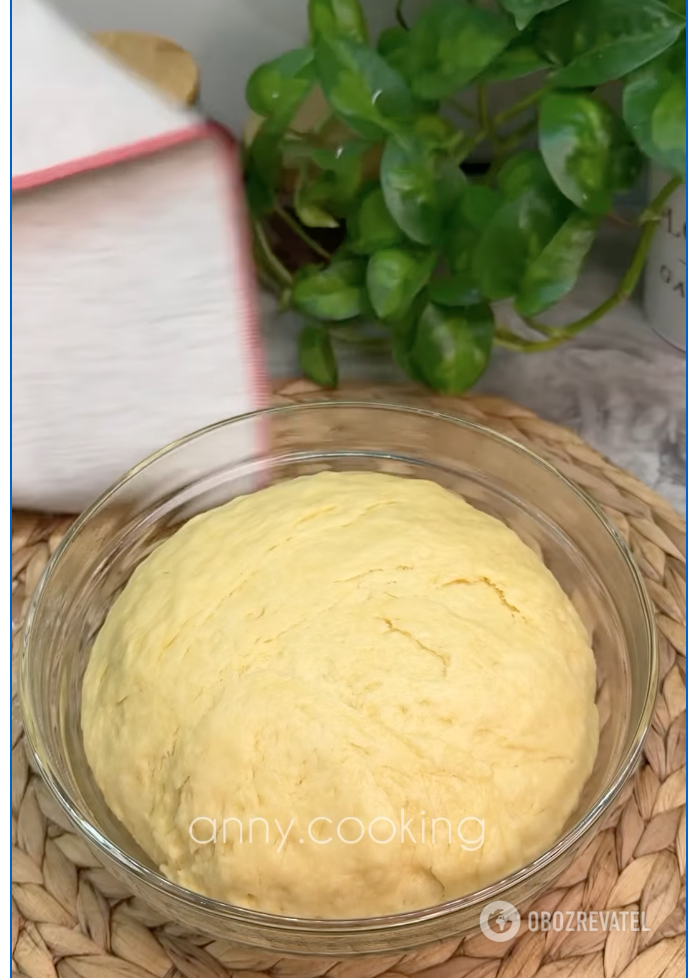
(499, 921)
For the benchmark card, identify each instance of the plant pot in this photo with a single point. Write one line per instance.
(665, 272)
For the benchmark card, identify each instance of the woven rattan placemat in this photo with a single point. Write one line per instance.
(71, 918)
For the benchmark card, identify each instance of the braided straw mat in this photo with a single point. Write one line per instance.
(71, 918)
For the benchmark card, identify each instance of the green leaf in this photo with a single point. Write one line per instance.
(373, 227)
(451, 43)
(337, 158)
(276, 89)
(452, 346)
(520, 58)
(314, 216)
(588, 150)
(669, 117)
(366, 92)
(460, 243)
(437, 132)
(316, 355)
(476, 207)
(337, 18)
(420, 185)
(329, 179)
(531, 211)
(520, 172)
(524, 10)
(392, 44)
(323, 193)
(403, 332)
(654, 108)
(556, 269)
(263, 166)
(332, 189)
(454, 290)
(309, 211)
(515, 236)
(596, 41)
(334, 293)
(395, 276)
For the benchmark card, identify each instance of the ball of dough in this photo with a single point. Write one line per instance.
(340, 656)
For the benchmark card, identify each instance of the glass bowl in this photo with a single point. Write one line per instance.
(495, 474)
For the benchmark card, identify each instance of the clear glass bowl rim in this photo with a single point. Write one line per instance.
(217, 908)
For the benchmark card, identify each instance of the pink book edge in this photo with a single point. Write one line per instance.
(145, 147)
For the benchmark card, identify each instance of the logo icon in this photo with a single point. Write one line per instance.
(499, 921)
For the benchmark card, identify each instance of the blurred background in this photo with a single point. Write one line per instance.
(228, 38)
(618, 384)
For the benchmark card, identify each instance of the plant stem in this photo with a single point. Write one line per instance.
(559, 334)
(510, 341)
(462, 109)
(351, 339)
(499, 120)
(298, 229)
(484, 110)
(466, 148)
(524, 103)
(512, 139)
(273, 263)
(617, 219)
(504, 147)
(486, 130)
(539, 328)
(401, 20)
(264, 277)
(327, 118)
(654, 211)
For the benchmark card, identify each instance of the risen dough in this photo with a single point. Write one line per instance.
(339, 645)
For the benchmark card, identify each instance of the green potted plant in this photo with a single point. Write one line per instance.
(367, 219)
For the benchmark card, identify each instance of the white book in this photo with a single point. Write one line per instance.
(134, 303)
